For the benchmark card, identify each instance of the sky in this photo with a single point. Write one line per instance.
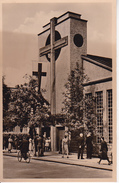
(21, 23)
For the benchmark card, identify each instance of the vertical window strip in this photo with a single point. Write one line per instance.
(99, 110)
(109, 93)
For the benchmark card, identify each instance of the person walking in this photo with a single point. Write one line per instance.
(104, 150)
(5, 142)
(49, 140)
(24, 147)
(43, 145)
(16, 142)
(80, 146)
(10, 142)
(30, 145)
(35, 144)
(46, 144)
(39, 145)
(89, 145)
(65, 146)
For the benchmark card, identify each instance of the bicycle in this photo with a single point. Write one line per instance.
(21, 155)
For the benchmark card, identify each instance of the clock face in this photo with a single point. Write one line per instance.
(78, 40)
(57, 52)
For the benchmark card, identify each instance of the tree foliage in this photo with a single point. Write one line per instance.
(27, 106)
(79, 109)
(6, 100)
(6, 96)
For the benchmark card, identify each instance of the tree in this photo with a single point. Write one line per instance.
(27, 106)
(6, 100)
(79, 109)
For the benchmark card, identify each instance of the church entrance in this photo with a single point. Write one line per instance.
(59, 136)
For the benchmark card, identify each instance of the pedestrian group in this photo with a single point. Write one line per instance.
(40, 144)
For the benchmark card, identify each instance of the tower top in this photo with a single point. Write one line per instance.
(63, 18)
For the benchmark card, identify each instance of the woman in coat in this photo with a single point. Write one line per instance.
(65, 149)
(10, 141)
(104, 150)
(30, 145)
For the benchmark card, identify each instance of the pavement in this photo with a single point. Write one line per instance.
(72, 160)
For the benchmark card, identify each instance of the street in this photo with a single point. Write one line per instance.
(43, 169)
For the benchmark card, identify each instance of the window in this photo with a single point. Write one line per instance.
(99, 110)
(109, 100)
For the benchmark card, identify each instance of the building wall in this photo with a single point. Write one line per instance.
(95, 72)
(104, 87)
(77, 27)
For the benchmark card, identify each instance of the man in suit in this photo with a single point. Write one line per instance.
(89, 145)
(80, 146)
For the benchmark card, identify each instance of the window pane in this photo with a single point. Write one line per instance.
(99, 110)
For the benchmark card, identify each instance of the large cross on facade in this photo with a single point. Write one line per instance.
(54, 45)
(39, 74)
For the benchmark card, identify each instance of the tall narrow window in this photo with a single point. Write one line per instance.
(99, 110)
(109, 96)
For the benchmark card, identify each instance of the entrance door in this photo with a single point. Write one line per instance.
(60, 135)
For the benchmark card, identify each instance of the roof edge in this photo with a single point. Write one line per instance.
(96, 62)
(75, 15)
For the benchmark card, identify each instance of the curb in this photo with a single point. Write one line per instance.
(69, 163)
(62, 162)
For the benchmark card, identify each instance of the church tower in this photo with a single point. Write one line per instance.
(70, 42)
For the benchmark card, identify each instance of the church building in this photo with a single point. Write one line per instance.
(62, 43)
(99, 71)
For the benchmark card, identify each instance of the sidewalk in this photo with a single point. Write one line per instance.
(72, 160)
